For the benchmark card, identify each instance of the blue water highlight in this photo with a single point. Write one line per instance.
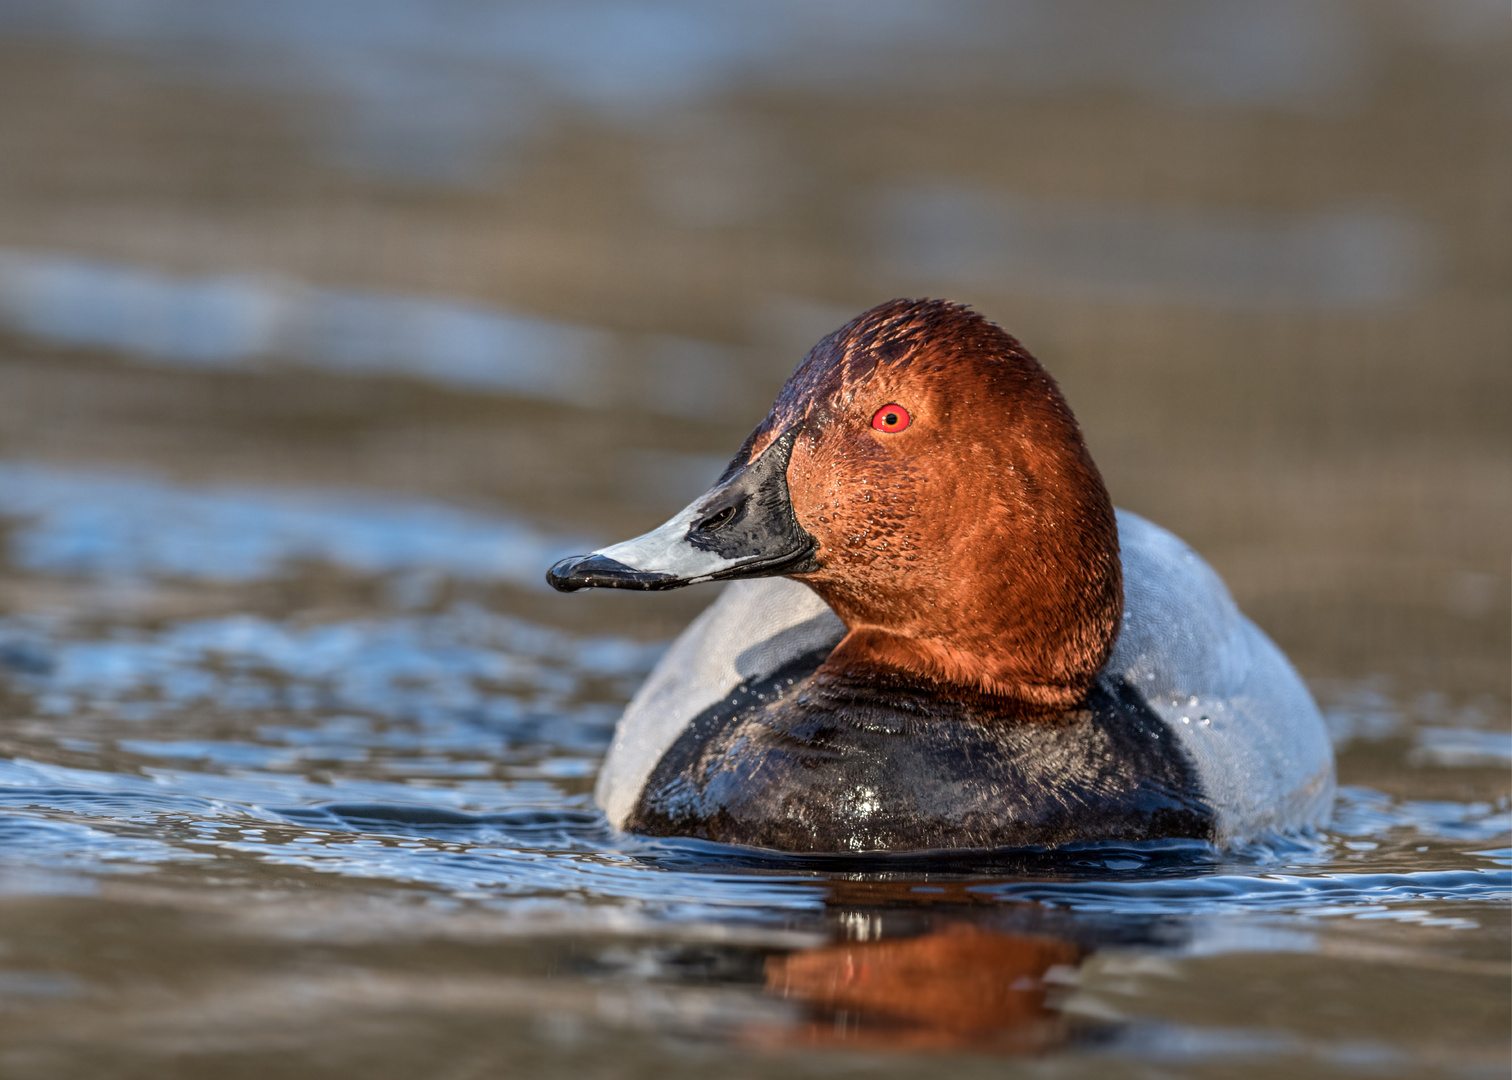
(443, 756)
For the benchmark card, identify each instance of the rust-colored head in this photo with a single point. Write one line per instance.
(922, 473)
(974, 542)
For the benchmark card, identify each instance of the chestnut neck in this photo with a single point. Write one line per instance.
(1029, 667)
(1030, 622)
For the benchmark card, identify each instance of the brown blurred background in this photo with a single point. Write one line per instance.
(555, 259)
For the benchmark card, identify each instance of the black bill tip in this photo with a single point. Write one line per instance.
(597, 572)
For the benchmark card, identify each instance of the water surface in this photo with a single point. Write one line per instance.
(323, 331)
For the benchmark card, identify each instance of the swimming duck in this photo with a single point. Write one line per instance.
(940, 635)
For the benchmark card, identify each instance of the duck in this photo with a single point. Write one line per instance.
(939, 635)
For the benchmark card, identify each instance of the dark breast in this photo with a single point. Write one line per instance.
(788, 765)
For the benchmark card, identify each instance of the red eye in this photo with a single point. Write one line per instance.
(891, 418)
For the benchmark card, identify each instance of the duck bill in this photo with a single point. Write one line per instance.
(742, 527)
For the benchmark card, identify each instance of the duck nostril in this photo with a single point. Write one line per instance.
(720, 518)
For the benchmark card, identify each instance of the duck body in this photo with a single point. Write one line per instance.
(865, 768)
(940, 636)
(1198, 727)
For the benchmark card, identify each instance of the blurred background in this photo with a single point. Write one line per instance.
(558, 257)
(321, 317)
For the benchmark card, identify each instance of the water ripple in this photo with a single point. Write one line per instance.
(112, 525)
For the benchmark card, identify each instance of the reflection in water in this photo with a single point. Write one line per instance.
(1462, 748)
(260, 324)
(115, 525)
(955, 987)
(1351, 257)
(429, 89)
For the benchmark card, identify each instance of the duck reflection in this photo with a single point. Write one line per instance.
(926, 968)
(954, 987)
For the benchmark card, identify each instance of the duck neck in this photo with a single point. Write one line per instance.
(874, 657)
(1036, 638)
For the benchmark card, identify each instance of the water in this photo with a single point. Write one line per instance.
(322, 334)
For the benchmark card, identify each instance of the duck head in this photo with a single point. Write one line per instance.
(923, 474)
